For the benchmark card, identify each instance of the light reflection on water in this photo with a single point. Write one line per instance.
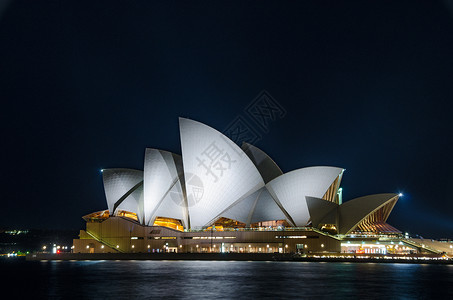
(229, 279)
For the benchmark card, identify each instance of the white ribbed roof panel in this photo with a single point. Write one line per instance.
(117, 182)
(241, 210)
(172, 206)
(161, 175)
(291, 188)
(134, 203)
(266, 209)
(226, 172)
(257, 207)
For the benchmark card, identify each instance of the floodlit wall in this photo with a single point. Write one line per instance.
(118, 234)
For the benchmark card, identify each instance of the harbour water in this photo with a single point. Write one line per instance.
(225, 279)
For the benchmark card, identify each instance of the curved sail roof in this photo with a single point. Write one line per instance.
(354, 211)
(267, 209)
(133, 203)
(265, 165)
(291, 188)
(225, 171)
(257, 207)
(321, 211)
(172, 206)
(163, 194)
(240, 211)
(119, 184)
(215, 178)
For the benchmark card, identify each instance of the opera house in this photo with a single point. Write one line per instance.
(219, 197)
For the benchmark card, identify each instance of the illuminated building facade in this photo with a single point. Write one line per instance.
(219, 197)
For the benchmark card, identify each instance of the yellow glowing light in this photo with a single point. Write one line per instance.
(169, 222)
(127, 214)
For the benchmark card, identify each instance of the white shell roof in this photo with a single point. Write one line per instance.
(291, 188)
(242, 209)
(266, 209)
(215, 178)
(163, 195)
(134, 203)
(257, 207)
(118, 182)
(171, 206)
(225, 171)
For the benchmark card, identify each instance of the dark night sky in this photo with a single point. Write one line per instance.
(367, 87)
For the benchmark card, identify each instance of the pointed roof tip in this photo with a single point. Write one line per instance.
(186, 119)
(182, 119)
(106, 170)
(149, 149)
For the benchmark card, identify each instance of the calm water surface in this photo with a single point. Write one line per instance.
(226, 279)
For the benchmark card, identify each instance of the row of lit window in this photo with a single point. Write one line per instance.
(155, 237)
(214, 246)
(210, 237)
(291, 237)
